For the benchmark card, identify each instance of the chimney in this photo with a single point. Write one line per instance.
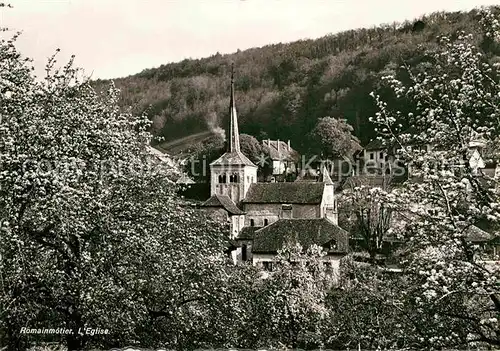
(288, 144)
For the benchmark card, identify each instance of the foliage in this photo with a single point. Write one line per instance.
(457, 99)
(290, 302)
(90, 224)
(251, 147)
(369, 218)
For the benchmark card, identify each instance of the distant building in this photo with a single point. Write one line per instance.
(265, 216)
(283, 157)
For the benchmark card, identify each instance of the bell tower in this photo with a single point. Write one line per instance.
(233, 172)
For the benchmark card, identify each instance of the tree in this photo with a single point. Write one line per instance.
(89, 223)
(251, 147)
(332, 138)
(450, 283)
(291, 299)
(370, 217)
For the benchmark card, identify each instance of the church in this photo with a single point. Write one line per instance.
(263, 217)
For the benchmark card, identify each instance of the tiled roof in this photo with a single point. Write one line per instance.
(223, 201)
(319, 231)
(233, 158)
(284, 154)
(285, 193)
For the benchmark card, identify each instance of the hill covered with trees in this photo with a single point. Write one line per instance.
(283, 89)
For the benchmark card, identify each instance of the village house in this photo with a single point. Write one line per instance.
(265, 216)
(283, 157)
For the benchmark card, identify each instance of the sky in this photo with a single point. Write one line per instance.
(117, 38)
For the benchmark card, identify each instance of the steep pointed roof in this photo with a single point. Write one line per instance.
(325, 176)
(233, 159)
(233, 155)
(233, 144)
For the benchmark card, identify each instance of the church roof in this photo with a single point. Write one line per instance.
(325, 176)
(235, 158)
(306, 232)
(285, 193)
(223, 201)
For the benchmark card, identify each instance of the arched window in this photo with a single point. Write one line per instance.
(233, 178)
(252, 223)
(266, 222)
(224, 179)
(220, 178)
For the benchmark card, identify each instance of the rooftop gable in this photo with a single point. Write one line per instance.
(306, 232)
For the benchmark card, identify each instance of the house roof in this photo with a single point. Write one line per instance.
(235, 158)
(375, 145)
(319, 231)
(223, 201)
(284, 154)
(285, 193)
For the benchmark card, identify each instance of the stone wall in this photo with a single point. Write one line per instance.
(273, 212)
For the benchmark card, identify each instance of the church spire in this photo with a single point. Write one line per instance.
(233, 144)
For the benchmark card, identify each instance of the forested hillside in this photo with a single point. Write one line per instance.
(282, 89)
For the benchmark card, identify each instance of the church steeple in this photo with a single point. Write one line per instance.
(325, 175)
(233, 144)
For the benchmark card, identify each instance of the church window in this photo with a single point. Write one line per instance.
(252, 223)
(224, 179)
(266, 222)
(220, 178)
